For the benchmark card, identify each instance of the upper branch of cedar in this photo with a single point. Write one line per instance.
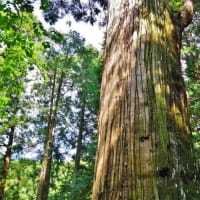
(186, 13)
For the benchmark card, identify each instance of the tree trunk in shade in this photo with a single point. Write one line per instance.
(7, 159)
(79, 142)
(79, 146)
(145, 148)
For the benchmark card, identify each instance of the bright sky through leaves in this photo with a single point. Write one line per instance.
(92, 34)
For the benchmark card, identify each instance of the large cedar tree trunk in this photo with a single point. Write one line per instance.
(144, 147)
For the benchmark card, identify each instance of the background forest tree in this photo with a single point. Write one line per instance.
(29, 55)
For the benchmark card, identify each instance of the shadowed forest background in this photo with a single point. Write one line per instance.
(49, 98)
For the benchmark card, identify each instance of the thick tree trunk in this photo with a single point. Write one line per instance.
(7, 159)
(144, 147)
(44, 181)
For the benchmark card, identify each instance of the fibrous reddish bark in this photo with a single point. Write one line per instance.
(144, 146)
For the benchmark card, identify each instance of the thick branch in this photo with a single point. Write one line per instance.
(187, 13)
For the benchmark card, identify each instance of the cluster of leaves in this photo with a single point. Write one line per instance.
(175, 5)
(17, 41)
(88, 12)
(22, 184)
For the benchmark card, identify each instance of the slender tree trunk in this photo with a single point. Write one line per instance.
(78, 148)
(7, 158)
(79, 143)
(44, 181)
(144, 147)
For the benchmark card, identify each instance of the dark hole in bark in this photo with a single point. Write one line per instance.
(156, 145)
(164, 172)
(143, 138)
(168, 146)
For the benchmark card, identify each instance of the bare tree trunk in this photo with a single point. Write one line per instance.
(7, 159)
(79, 143)
(78, 148)
(144, 147)
(44, 181)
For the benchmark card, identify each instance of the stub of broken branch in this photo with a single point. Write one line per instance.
(186, 14)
